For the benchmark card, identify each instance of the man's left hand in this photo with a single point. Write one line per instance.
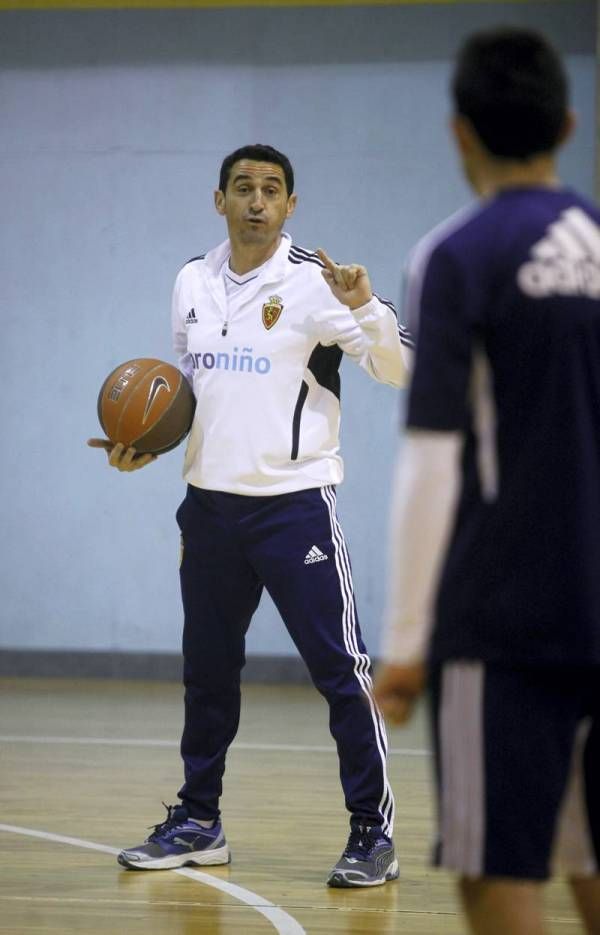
(350, 284)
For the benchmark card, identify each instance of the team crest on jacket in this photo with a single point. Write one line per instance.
(271, 311)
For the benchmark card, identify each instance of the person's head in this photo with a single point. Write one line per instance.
(257, 152)
(510, 92)
(255, 194)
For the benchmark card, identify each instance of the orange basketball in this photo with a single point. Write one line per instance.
(146, 403)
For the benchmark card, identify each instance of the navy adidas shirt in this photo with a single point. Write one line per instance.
(505, 300)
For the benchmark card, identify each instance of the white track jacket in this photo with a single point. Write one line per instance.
(264, 365)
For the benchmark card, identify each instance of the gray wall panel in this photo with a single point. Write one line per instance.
(114, 124)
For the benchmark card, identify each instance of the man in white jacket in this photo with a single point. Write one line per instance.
(259, 327)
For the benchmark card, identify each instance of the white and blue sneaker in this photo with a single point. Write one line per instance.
(368, 860)
(179, 840)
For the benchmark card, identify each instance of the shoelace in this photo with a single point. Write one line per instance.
(171, 821)
(361, 842)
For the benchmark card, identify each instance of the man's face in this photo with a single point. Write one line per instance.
(255, 203)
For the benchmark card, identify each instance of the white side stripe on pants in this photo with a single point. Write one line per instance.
(361, 660)
(462, 820)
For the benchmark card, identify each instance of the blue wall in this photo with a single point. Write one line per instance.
(114, 124)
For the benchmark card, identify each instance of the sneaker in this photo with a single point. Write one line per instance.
(368, 860)
(178, 841)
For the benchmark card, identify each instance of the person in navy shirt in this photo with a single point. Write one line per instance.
(494, 598)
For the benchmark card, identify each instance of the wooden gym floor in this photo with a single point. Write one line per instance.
(88, 762)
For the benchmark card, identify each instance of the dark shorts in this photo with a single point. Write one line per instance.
(517, 753)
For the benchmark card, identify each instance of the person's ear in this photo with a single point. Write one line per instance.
(220, 202)
(291, 205)
(464, 135)
(568, 128)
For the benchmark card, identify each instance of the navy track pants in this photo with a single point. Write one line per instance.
(292, 545)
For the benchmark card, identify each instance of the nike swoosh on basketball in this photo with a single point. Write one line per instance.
(156, 386)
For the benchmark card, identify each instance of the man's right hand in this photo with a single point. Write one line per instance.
(124, 459)
(397, 688)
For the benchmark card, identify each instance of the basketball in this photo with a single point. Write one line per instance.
(146, 403)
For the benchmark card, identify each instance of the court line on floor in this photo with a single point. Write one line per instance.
(179, 904)
(140, 742)
(281, 921)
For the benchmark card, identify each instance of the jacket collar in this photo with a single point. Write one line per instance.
(277, 264)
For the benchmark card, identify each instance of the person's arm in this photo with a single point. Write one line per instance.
(370, 335)
(425, 493)
(428, 475)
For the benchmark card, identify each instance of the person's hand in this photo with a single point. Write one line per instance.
(349, 284)
(124, 459)
(397, 688)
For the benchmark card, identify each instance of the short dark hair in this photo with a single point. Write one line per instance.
(511, 85)
(258, 152)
